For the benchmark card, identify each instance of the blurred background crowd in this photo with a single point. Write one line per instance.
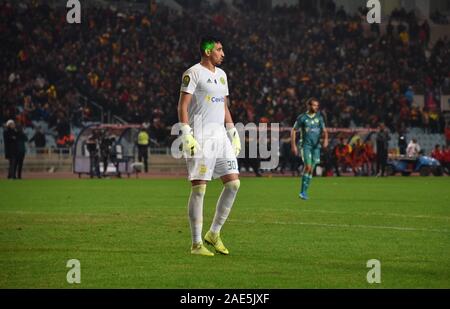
(130, 64)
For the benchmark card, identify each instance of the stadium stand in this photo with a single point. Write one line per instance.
(129, 64)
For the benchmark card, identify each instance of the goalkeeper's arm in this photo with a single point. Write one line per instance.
(190, 145)
(183, 104)
(231, 130)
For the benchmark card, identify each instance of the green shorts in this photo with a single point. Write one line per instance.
(310, 155)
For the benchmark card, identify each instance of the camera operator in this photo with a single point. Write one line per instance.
(108, 152)
(114, 154)
(105, 151)
(92, 147)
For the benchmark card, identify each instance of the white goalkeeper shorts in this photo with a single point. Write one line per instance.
(215, 159)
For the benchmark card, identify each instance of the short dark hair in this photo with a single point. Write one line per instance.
(310, 100)
(207, 43)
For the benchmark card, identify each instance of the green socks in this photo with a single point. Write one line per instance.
(306, 181)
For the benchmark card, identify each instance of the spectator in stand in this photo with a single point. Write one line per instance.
(447, 134)
(402, 144)
(439, 18)
(342, 153)
(409, 94)
(446, 159)
(21, 151)
(426, 120)
(358, 158)
(39, 140)
(438, 154)
(413, 149)
(434, 121)
(10, 140)
(369, 158)
(382, 149)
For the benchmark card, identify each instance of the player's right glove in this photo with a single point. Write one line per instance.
(190, 145)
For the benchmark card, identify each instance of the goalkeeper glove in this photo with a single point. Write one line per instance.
(235, 140)
(190, 145)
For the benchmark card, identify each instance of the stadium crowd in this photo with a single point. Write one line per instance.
(131, 64)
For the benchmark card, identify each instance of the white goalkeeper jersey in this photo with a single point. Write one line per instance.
(208, 90)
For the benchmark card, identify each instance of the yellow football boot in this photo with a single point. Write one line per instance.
(200, 249)
(214, 240)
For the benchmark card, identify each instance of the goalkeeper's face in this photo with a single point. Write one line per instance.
(216, 55)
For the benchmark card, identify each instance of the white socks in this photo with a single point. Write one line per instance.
(195, 209)
(224, 205)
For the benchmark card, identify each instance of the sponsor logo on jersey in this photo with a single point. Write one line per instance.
(186, 81)
(218, 100)
(215, 99)
(209, 81)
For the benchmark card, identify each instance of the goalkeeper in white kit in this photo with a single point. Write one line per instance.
(206, 124)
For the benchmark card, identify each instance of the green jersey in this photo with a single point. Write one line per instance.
(311, 128)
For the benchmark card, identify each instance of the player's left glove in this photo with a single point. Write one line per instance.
(235, 140)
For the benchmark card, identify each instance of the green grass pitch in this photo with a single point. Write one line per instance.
(134, 233)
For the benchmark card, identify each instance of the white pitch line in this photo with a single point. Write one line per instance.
(380, 227)
(389, 214)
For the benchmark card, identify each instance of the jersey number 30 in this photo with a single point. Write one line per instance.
(231, 165)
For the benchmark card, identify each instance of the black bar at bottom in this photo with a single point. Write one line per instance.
(221, 298)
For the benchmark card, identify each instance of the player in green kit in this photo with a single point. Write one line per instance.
(311, 127)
